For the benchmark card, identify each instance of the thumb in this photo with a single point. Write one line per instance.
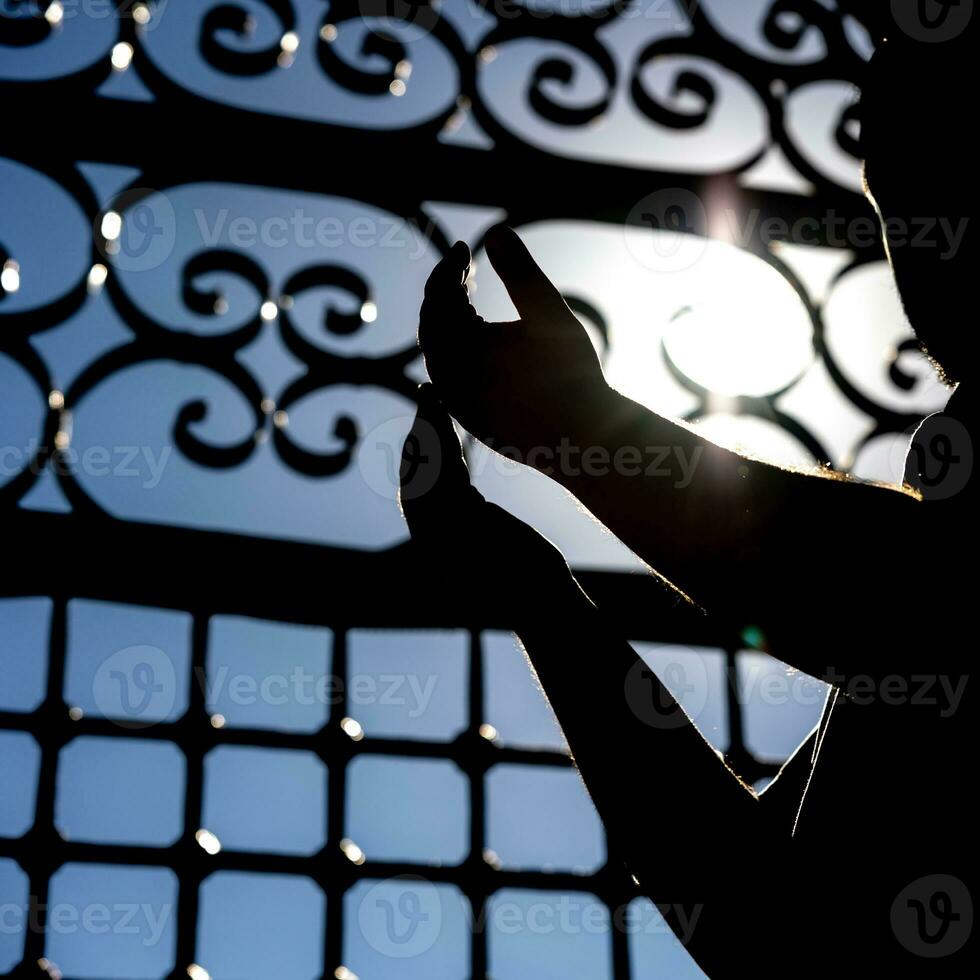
(530, 290)
(434, 479)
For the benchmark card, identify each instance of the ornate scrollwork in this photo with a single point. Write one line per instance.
(383, 54)
(195, 412)
(33, 462)
(24, 23)
(556, 70)
(686, 81)
(208, 302)
(228, 40)
(229, 17)
(374, 46)
(787, 21)
(898, 376)
(384, 66)
(188, 345)
(305, 461)
(845, 131)
(335, 321)
(377, 45)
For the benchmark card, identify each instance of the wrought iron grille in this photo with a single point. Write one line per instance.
(42, 850)
(111, 91)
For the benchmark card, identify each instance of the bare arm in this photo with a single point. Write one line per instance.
(686, 843)
(744, 539)
(756, 543)
(690, 843)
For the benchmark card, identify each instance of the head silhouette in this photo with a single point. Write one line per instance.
(916, 137)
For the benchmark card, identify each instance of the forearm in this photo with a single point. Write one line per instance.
(683, 846)
(681, 502)
(741, 537)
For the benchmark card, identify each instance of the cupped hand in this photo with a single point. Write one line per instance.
(519, 384)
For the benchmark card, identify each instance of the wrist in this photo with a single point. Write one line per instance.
(580, 439)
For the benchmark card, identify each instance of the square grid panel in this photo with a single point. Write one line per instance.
(425, 819)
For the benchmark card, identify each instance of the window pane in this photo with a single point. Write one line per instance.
(541, 817)
(259, 926)
(123, 790)
(516, 706)
(13, 913)
(781, 705)
(112, 921)
(130, 663)
(408, 809)
(696, 677)
(655, 952)
(24, 635)
(265, 799)
(406, 928)
(20, 759)
(548, 934)
(408, 684)
(269, 675)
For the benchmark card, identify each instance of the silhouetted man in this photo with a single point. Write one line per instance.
(857, 858)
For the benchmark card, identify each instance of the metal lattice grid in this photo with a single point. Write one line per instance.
(42, 850)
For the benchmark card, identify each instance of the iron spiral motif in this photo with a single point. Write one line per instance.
(245, 40)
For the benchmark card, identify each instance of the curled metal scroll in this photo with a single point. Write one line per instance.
(23, 23)
(686, 81)
(229, 17)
